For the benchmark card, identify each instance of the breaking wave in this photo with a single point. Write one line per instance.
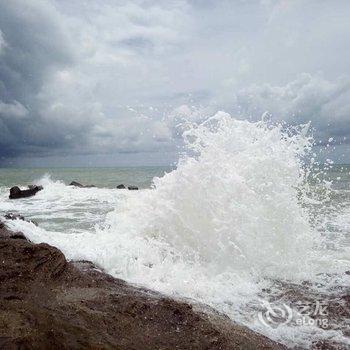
(230, 220)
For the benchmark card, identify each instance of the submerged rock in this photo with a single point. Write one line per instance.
(49, 303)
(32, 187)
(328, 310)
(77, 184)
(132, 188)
(16, 216)
(16, 192)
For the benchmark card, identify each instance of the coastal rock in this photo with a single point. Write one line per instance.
(335, 314)
(121, 187)
(32, 187)
(16, 216)
(16, 192)
(132, 188)
(49, 303)
(5, 233)
(77, 184)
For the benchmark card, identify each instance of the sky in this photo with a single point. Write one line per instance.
(105, 82)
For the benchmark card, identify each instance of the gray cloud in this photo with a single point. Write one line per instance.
(107, 77)
(33, 46)
(308, 98)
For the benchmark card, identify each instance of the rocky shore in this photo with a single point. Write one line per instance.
(47, 302)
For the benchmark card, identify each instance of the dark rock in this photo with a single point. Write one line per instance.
(31, 187)
(6, 233)
(49, 303)
(16, 192)
(77, 184)
(121, 187)
(16, 216)
(132, 188)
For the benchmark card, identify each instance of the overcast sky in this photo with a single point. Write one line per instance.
(104, 82)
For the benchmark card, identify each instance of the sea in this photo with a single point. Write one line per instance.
(246, 216)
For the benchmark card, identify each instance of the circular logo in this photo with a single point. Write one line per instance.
(275, 315)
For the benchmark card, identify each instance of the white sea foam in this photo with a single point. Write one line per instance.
(217, 230)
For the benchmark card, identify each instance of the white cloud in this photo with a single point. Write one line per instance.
(13, 110)
(308, 98)
(2, 43)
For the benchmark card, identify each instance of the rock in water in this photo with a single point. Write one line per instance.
(132, 188)
(77, 184)
(121, 187)
(31, 187)
(49, 303)
(16, 192)
(16, 216)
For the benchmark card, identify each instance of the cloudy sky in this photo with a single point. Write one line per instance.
(105, 82)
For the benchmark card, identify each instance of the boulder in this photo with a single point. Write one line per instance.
(16, 192)
(133, 188)
(31, 187)
(47, 302)
(121, 187)
(77, 184)
(16, 216)
(6, 233)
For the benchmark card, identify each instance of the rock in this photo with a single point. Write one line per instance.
(121, 187)
(16, 192)
(332, 307)
(5, 233)
(77, 184)
(16, 216)
(132, 188)
(31, 187)
(49, 303)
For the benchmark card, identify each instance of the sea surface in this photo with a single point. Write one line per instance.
(230, 227)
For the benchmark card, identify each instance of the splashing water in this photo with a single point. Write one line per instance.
(234, 205)
(220, 228)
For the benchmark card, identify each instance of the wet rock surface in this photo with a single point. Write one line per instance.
(16, 192)
(332, 306)
(77, 184)
(16, 216)
(49, 303)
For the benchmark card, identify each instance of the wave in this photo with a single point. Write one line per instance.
(220, 229)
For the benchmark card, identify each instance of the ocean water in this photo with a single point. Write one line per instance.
(246, 211)
(100, 177)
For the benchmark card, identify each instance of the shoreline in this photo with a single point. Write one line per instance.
(49, 302)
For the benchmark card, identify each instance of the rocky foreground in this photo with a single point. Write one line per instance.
(49, 303)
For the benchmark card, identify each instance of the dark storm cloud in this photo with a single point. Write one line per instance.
(67, 83)
(34, 44)
(32, 47)
(116, 77)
